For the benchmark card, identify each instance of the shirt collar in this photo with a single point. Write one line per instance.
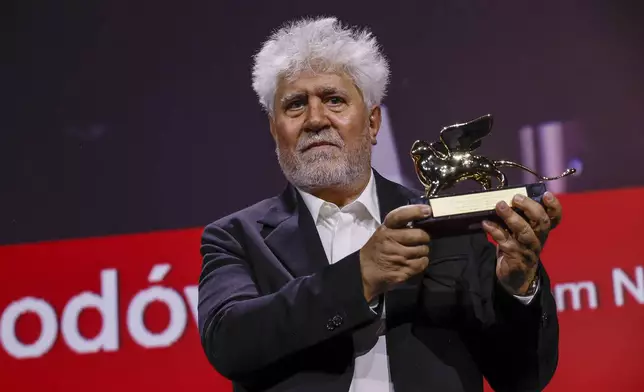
(368, 199)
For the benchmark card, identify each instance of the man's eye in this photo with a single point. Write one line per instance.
(335, 101)
(295, 105)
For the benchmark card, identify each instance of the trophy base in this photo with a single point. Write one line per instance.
(454, 215)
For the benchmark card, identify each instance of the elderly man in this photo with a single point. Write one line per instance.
(326, 288)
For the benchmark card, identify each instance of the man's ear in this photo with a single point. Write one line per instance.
(375, 119)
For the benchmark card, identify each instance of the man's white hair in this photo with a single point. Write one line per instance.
(320, 45)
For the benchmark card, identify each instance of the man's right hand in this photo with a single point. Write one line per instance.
(394, 253)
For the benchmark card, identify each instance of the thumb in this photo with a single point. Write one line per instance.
(399, 217)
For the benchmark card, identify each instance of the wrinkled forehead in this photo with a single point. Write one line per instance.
(312, 82)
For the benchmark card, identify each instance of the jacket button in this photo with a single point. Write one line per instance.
(544, 319)
(330, 326)
(337, 320)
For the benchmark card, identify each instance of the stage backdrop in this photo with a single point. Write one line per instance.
(126, 127)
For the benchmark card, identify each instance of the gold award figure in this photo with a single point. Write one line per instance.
(442, 164)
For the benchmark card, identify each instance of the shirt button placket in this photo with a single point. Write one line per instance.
(333, 223)
(340, 240)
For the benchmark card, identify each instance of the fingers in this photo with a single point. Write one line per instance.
(533, 211)
(553, 209)
(536, 214)
(401, 254)
(399, 217)
(519, 227)
(409, 237)
(394, 253)
(414, 267)
(496, 232)
(508, 245)
(415, 252)
(417, 265)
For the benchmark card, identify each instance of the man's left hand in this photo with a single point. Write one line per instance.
(519, 247)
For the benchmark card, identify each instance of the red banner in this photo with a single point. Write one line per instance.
(118, 313)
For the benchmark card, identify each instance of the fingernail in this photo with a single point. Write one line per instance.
(502, 206)
(426, 210)
(548, 196)
(519, 198)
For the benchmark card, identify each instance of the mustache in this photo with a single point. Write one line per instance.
(328, 136)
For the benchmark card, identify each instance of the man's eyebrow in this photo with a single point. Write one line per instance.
(328, 90)
(291, 96)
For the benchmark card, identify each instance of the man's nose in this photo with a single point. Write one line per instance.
(316, 119)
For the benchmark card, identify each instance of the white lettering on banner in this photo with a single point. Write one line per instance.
(48, 332)
(575, 290)
(622, 281)
(569, 295)
(107, 304)
(171, 298)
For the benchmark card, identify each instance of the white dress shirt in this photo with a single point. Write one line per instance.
(343, 231)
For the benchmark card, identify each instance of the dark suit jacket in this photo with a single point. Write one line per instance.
(275, 316)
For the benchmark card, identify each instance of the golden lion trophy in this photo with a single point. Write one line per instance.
(442, 164)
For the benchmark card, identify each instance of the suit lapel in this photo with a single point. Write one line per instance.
(290, 233)
(390, 195)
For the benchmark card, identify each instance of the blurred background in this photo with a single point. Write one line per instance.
(127, 126)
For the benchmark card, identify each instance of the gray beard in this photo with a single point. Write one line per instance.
(313, 170)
